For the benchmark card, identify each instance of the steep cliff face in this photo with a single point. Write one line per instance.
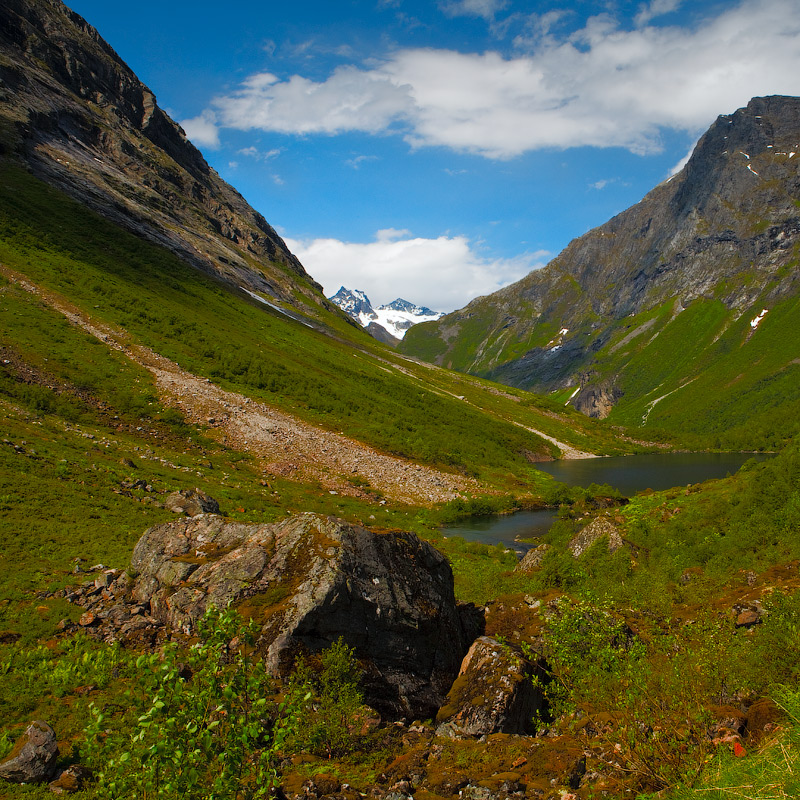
(80, 118)
(725, 230)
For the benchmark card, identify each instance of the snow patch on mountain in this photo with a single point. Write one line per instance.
(395, 317)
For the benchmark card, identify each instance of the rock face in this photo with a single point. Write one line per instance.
(532, 559)
(598, 528)
(83, 122)
(33, 759)
(494, 693)
(725, 229)
(191, 502)
(310, 580)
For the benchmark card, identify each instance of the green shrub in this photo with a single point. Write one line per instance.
(330, 724)
(196, 733)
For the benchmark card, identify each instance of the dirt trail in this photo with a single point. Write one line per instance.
(284, 444)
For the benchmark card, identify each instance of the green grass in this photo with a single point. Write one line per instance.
(769, 772)
(211, 331)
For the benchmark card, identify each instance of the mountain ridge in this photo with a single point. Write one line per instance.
(83, 122)
(725, 230)
(388, 320)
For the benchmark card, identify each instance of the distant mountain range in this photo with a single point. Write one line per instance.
(394, 318)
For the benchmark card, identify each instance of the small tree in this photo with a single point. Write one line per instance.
(330, 724)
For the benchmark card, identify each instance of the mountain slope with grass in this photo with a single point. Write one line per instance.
(127, 373)
(83, 122)
(678, 313)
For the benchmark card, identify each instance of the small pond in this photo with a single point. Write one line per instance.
(629, 474)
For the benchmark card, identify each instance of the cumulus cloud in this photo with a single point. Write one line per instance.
(350, 100)
(443, 273)
(202, 130)
(600, 86)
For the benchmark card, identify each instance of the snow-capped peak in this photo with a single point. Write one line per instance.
(353, 302)
(396, 317)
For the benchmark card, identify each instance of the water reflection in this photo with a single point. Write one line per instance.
(629, 474)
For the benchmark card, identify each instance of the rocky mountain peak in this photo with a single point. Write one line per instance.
(409, 308)
(354, 302)
(724, 230)
(388, 323)
(82, 121)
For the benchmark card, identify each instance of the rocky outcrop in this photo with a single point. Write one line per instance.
(33, 759)
(80, 118)
(596, 399)
(380, 333)
(532, 560)
(495, 692)
(191, 502)
(308, 581)
(598, 528)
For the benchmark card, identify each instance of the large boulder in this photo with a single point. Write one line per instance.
(498, 690)
(308, 581)
(33, 759)
(597, 529)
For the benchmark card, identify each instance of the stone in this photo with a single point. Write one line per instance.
(309, 580)
(71, 780)
(495, 692)
(191, 502)
(33, 759)
(532, 559)
(595, 530)
(747, 618)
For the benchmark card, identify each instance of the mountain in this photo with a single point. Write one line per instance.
(392, 319)
(113, 227)
(681, 312)
(84, 123)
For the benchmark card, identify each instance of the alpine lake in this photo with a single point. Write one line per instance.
(628, 474)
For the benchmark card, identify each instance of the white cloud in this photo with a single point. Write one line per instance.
(474, 8)
(202, 130)
(443, 273)
(657, 8)
(357, 161)
(601, 86)
(259, 155)
(350, 100)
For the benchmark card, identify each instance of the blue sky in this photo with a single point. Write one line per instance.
(439, 150)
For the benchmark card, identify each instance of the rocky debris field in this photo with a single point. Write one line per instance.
(284, 444)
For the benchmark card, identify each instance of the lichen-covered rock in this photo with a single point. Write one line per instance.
(309, 580)
(191, 502)
(596, 529)
(33, 759)
(71, 780)
(532, 559)
(496, 691)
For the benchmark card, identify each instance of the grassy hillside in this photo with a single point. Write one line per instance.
(644, 640)
(708, 373)
(339, 378)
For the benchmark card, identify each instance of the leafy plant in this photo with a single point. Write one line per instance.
(203, 729)
(330, 724)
